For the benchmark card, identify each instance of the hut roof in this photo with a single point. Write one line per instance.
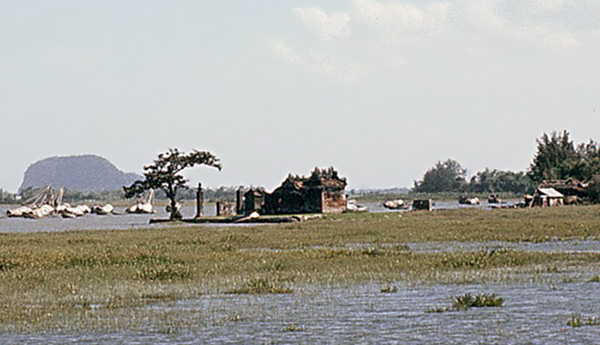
(550, 192)
(325, 178)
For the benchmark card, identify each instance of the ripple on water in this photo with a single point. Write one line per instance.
(532, 314)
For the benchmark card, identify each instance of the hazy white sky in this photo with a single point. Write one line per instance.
(379, 89)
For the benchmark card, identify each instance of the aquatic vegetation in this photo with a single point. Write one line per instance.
(293, 328)
(577, 320)
(592, 321)
(466, 301)
(388, 289)
(594, 279)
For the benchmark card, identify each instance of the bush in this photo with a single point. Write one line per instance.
(467, 301)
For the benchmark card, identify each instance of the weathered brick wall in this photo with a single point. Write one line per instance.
(334, 202)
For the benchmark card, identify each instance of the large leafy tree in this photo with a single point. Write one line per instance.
(557, 158)
(448, 176)
(165, 174)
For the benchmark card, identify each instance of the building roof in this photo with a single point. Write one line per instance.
(320, 178)
(550, 192)
(570, 186)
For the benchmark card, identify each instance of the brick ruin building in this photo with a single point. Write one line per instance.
(322, 192)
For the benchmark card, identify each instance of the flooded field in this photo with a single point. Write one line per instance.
(563, 246)
(533, 313)
(369, 278)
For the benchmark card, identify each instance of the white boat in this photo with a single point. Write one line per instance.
(397, 204)
(144, 205)
(353, 206)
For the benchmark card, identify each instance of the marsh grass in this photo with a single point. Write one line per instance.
(86, 280)
(483, 300)
(574, 321)
(467, 301)
(577, 320)
(164, 272)
(388, 289)
(594, 279)
(260, 286)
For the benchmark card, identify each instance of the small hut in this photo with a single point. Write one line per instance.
(572, 189)
(422, 205)
(548, 197)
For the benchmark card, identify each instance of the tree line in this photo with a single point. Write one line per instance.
(557, 158)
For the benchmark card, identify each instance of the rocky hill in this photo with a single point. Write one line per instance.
(85, 173)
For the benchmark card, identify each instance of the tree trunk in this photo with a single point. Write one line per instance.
(175, 213)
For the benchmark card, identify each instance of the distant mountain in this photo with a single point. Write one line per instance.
(85, 173)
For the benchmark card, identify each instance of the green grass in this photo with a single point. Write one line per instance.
(87, 280)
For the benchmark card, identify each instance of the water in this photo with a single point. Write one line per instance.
(91, 221)
(442, 205)
(531, 314)
(124, 221)
(567, 246)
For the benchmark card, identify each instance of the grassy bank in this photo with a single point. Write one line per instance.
(87, 280)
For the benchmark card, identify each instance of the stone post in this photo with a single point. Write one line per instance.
(239, 201)
(199, 201)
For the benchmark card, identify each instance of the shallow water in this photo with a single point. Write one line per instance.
(570, 246)
(532, 314)
(91, 221)
(124, 221)
(567, 246)
(441, 205)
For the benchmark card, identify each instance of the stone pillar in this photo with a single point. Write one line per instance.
(239, 201)
(199, 201)
(219, 208)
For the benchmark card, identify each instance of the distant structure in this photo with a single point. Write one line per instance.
(547, 197)
(322, 192)
(422, 205)
(572, 189)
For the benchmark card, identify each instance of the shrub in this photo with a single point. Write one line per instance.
(467, 301)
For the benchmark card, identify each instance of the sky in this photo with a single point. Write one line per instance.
(379, 89)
